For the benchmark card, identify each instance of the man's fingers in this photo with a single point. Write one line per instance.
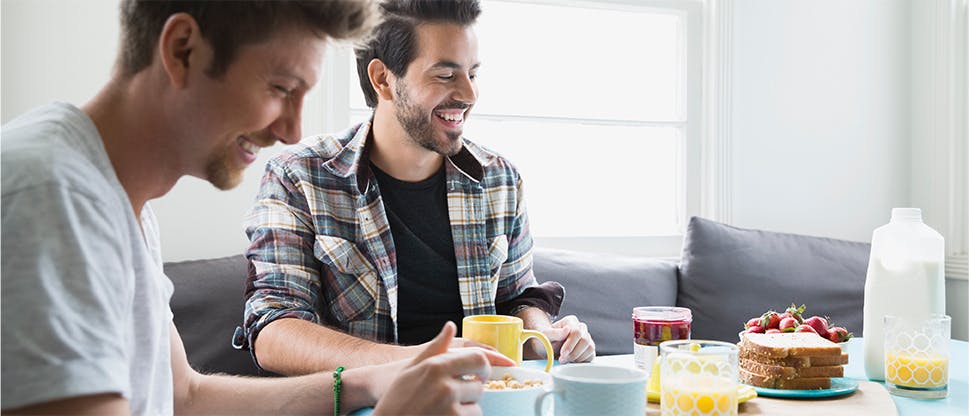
(470, 409)
(498, 359)
(469, 391)
(566, 351)
(568, 321)
(439, 344)
(494, 357)
(584, 352)
(465, 343)
(556, 334)
(463, 362)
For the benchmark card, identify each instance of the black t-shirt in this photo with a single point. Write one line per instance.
(427, 271)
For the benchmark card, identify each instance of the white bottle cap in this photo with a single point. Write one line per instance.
(907, 214)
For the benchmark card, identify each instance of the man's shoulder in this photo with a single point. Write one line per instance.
(495, 166)
(314, 152)
(44, 148)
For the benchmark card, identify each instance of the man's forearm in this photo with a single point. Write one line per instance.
(534, 318)
(292, 347)
(309, 395)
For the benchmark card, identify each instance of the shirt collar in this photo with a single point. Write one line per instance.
(352, 159)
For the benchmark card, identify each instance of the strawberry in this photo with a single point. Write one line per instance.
(752, 322)
(770, 320)
(787, 324)
(794, 312)
(839, 334)
(819, 324)
(755, 330)
(772, 331)
(805, 328)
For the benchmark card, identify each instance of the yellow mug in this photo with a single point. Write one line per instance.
(505, 333)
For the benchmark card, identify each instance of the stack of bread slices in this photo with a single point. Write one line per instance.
(790, 361)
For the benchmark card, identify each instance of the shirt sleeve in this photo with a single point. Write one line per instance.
(65, 290)
(284, 277)
(547, 297)
(517, 284)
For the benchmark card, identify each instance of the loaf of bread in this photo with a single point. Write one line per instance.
(791, 361)
(801, 383)
(791, 372)
(790, 344)
(798, 362)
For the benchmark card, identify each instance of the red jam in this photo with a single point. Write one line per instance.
(655, 324)
(653, 332)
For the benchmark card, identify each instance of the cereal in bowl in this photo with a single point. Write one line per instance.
(508, 382)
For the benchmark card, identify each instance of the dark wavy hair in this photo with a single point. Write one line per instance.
(229, 25)
(395, 39)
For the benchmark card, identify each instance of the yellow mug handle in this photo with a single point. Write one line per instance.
(528, 333)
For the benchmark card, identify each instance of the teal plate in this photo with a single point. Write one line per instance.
(840, 386)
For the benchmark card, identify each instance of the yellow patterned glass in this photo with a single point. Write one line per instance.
(917, 356)
(699, 378)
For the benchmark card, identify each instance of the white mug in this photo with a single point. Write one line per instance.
(592, 389)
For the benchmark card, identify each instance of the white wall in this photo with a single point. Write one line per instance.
(820, 116)
(55, 50)
(820, 129)
(63, 50)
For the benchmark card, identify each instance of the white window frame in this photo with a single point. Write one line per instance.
(331, 99)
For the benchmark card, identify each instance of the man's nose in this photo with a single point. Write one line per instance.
(287, 128)
(467, 91)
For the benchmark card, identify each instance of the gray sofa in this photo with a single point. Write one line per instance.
(725, 276)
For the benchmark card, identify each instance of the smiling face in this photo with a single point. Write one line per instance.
(254, 104)
(433, 99)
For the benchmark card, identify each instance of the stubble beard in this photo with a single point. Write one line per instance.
(220, 172)
(418, 127)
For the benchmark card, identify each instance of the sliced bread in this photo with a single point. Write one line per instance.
(797, 362)
(771, 382)
(786, 372)
(792, 344)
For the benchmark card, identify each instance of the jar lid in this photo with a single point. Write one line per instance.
(662, 313)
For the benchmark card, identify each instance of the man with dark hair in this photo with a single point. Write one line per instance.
(365, 242)
(198, 89)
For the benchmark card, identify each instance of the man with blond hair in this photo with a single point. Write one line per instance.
(198, 88)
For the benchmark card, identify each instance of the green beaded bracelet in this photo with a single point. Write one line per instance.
(336, 391)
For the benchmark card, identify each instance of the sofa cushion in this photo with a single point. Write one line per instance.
(208, 305)
(602, 290)
(728, 275)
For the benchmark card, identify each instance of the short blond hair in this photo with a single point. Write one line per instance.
(228, 25)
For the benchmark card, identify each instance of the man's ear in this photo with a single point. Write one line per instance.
(380, 79)
(178, 46)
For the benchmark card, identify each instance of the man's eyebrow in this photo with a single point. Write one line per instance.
(287, 74)
(453, 65)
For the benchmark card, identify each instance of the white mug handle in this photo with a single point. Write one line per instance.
(542, 399)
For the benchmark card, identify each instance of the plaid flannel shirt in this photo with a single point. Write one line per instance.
(321, 247)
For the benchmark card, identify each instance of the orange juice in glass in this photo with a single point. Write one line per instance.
(698, 378)
(917, 356)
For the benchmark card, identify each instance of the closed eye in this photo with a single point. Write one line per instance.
(282, 91)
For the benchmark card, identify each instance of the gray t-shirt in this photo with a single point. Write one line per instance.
(85, 303)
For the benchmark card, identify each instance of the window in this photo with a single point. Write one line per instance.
(597, 104)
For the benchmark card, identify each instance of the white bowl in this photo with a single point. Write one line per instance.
(514, 401)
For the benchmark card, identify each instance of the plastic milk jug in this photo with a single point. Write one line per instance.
(905, 279)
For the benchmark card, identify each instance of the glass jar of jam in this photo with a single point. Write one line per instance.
(653, 325)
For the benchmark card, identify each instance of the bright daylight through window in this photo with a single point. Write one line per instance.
(589, 101)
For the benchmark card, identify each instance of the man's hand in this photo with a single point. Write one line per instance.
(571, 338)
(439, 381)
(458, 343)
